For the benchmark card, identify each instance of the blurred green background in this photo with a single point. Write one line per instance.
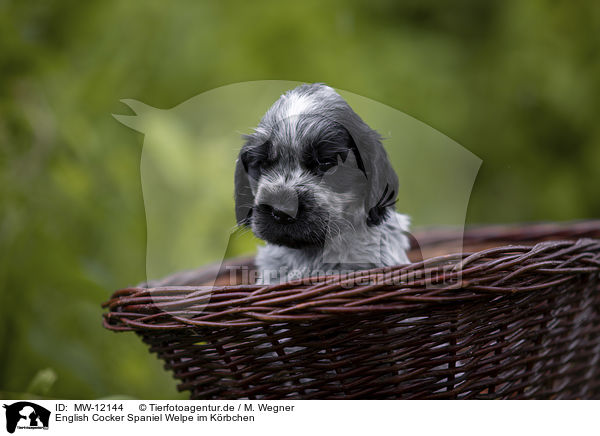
(515, 82)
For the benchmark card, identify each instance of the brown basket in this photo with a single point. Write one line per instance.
(513, 321)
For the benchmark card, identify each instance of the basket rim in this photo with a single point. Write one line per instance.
(572, 253)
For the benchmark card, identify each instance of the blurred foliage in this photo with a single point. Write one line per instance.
(516, 82)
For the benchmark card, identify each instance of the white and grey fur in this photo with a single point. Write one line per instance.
(314, 181)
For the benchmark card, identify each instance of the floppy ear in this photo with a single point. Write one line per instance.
(382, 180)
(244, 198)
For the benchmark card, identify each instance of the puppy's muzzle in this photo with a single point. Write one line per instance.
(280, 203)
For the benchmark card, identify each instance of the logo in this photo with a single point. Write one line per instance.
(191, 152)
(26, 415)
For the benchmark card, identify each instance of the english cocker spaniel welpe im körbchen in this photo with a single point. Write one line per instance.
(314, 181)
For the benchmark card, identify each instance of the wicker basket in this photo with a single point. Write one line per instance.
(516, 316)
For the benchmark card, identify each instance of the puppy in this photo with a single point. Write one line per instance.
(314, 181)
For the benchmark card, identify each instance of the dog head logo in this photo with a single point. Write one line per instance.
(189, 157)
(26, 415)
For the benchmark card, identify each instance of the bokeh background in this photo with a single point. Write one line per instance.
(515, 82)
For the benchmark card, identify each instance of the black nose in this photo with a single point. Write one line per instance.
(278, 215)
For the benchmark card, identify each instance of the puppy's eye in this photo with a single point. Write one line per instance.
(254, 170)
(252, 166)
(322, 155)
(328, 161)
(255, 160)
(326, 166)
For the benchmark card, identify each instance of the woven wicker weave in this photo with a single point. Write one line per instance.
(511, 321)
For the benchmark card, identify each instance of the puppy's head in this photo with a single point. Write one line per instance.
(312, 169)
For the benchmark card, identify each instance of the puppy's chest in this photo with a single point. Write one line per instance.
(278, 264)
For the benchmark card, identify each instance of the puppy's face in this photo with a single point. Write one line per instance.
(306, 179)
(289, 167)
